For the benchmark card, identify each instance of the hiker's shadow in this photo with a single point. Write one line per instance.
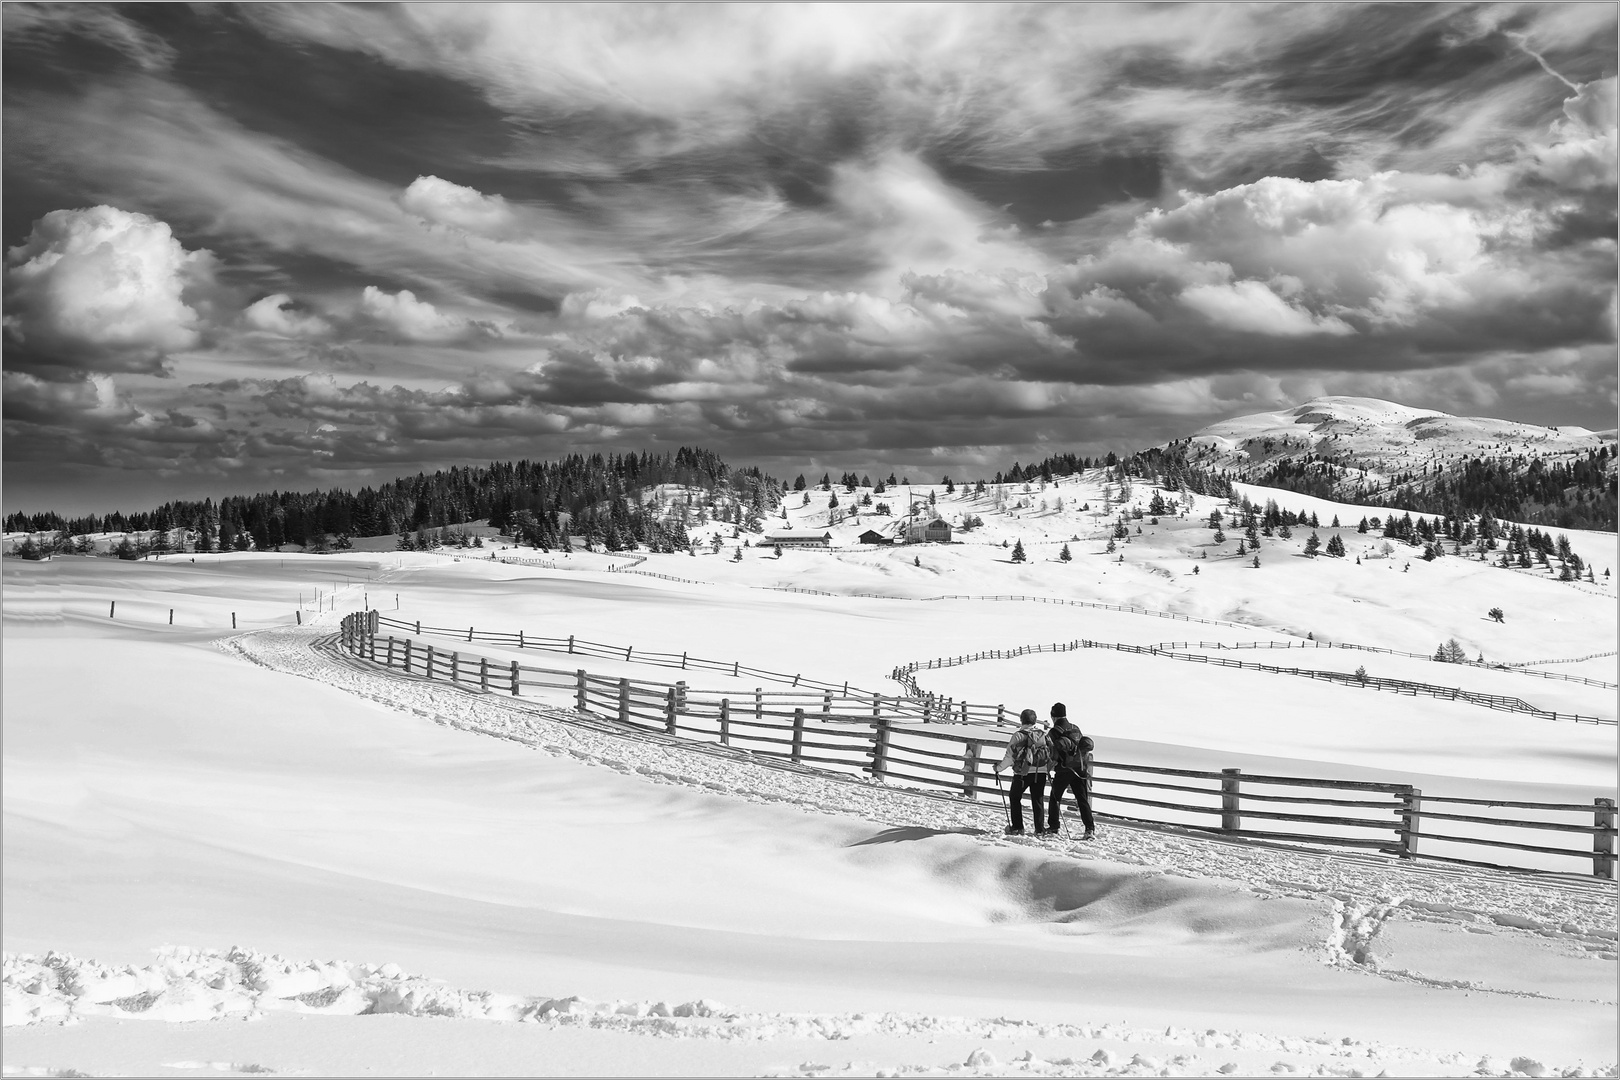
(912, 832)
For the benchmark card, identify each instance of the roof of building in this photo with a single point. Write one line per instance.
(798, 534)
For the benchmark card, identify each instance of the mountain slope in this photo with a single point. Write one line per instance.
(1367, 450)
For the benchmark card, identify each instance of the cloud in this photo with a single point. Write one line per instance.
(404, 316)
(103, 25)
(275, 315)
(443, 203)
(1581, 151)
(1251, 307)
(102, 289)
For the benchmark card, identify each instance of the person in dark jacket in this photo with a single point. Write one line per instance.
(1071, 769)
(1028, 756)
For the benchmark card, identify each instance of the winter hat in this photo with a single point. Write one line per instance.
(1028, 717)
(1059, 711)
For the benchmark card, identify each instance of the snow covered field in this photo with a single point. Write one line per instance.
(306, 841)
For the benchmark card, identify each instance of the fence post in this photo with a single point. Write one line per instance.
(581, 702)
(964, 712)
(970, 761)
(627, 650)
(1411, 806)
(469, 633)
(171, 616)
(624, 701)
(407, 656)
(429, 661)
(880, 748)
(683, 661)
(1001, 714)
(826, 703)
(877, 705)
(514, 678)
(455, 667)
(725, 721)
(233, 620)
(1230, 822)
(418, 627)
(1602, 842)
(670, 700)
(798, 733)
(520, 639)
(483, 673)
(759, 704)
(390, 661)
(112, 606)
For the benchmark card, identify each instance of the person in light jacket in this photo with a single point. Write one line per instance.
(1029, 757)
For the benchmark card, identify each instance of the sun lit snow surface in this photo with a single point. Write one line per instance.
(578, 886)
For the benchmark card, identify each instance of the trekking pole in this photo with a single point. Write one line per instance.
(1006, 808)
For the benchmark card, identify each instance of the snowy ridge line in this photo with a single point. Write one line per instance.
(186, 985)
(904, 676)
(950, 759)
(1486, 896)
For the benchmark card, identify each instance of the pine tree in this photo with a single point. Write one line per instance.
(1018, 552)
(1335, 546)
(1313, 544)
(1064, 555)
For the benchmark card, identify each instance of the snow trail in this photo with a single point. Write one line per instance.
(1578, 913)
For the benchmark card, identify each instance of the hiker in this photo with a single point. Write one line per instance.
(1029, 757)
(1071, 769)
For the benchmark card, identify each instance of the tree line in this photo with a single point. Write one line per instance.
(595, 496)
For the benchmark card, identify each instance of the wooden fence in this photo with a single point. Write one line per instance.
(823, 732)
(925, 708)
(905, 676)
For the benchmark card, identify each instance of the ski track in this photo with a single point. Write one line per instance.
(1360, 895)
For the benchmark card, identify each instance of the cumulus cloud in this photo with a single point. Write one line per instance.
(275, 315)
(443, 203)
(1251, 307)
(1581, 151)
(102, 289)
(404, 316)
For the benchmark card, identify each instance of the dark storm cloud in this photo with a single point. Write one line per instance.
(347, 239)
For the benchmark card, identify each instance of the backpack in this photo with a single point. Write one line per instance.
(1069, 752)
(1065, 750)
(1033, 753)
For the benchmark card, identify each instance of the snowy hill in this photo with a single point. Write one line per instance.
(1367, 450)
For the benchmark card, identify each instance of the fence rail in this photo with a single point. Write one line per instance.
(893, 747)
(905, 674)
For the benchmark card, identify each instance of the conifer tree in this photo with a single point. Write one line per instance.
(1065, 555)
(1313, 544)
(1018, 552)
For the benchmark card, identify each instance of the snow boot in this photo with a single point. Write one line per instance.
(1011, 831)
(1091, 834)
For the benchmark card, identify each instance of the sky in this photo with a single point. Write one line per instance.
(252, 247)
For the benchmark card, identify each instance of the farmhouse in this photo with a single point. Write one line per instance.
(801, 538)
(920, 531)
(872, 536)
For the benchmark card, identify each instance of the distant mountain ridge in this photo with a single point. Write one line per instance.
(1376, 452)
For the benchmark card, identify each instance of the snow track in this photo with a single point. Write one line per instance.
(1365, 891)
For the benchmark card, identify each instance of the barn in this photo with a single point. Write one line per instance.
(872, 536)
(800, 538)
